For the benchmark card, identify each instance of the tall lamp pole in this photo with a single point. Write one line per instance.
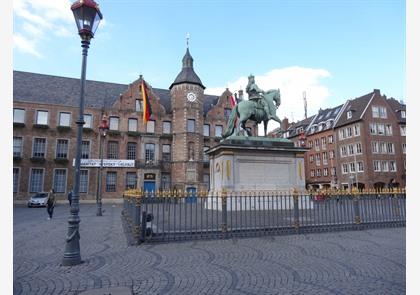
(87, 16)
(103, 129)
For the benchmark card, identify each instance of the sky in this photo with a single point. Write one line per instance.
(332, 50)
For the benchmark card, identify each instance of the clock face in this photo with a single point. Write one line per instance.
(191, 96)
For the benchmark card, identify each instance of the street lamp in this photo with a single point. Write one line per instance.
(103, 129)
(87, 16)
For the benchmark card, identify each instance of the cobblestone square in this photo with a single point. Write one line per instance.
(348, 262)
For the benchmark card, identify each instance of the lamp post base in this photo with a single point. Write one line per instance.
(72, 250)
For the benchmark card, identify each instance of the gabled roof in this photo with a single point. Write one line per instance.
(295, 127)
(397, 107)
(324, 120)
(357, 106)
(55, 90)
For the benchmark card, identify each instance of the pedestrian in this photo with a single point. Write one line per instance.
(51, 203)
(69, 196)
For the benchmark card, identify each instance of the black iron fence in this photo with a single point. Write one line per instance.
(166, 216)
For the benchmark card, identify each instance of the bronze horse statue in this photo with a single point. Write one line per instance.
(252, 110)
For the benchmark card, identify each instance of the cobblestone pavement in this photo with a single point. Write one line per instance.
(351, 262)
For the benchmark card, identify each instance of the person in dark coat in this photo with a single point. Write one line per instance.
(51, 203)
(69, 197)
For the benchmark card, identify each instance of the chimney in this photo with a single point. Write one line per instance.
(285, 124)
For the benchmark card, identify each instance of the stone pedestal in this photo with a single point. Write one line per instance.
(256, 164)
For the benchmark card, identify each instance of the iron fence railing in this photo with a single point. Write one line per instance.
(175, 215)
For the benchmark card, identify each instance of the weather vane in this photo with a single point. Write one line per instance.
(188, 39)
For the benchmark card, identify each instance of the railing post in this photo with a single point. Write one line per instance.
(136, 227)
(143, 226)
(356, 207)
(296, 223)
(224, 212)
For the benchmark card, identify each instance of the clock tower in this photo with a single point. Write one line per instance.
(187, 95)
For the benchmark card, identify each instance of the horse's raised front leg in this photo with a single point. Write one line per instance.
(265, 127)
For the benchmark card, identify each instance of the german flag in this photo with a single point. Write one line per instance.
(147, 110)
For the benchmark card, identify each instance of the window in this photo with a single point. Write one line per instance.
(349, 114)
(39, 148)
(132, 125)
(131, 180)
(131, 150)
(42, 117)
(166, 152)
(382, 112)
(402, 130)
(332, 154)
(206, 180)
(227, 114)
(352, 167)
(358, 148)
(317, 144)
(36, 181)
(330, 139)
(84, 180)
(88, 118)
(17, 146)
(206, 130)
(375, 147)
(382, 147)
(343, 150)
(312, 173)
(114, 123)
(350, 149)
(345, 168)
(150, 152)
(320, 127)
(218, 130)
(165, 181)
(384, 166)
(381, 129)
(325, 171)
(403, 114)
(166, 127)
(372, 127)
(190, 125)
(317, 159)
(62, 149)
(191, 151)
(333, 171)
(60, 178)
(205, 156)
(111, 181)
(390, 148)
(112, 150)
(357, 130)
(311, 144)
(341, 134)
(324, 143)
(328, 124)
(375, 112)
(360, 167)
(64, 119)
(377, 166)
(85, 149)
(388, 129)
(15, 179)
(318, 172)
(18, 116)
(403, 148)
(150, 127)
(324, 158)
(139, 105)
(349, 131)
(392, 166)
(311, 158)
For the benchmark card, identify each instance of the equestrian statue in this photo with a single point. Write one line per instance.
(261, 107)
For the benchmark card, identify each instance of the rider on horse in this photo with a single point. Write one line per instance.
(255, 94)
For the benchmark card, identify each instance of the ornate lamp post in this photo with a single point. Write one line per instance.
(103, 129)
(87, 16)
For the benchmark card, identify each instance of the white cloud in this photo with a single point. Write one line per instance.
(25, 45)
(292, 82)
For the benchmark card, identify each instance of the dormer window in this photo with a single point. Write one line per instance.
(403, 114)
(349, 114)
(320, 127)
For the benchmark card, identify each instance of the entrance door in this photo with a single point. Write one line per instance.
(191, 195)
(149, 186)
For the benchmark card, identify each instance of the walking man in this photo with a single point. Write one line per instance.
(51, 203)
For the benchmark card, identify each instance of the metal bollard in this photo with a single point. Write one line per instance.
(224, 213)
(136, 226)
(296, 223)
(356, 209)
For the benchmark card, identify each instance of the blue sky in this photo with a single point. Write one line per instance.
(333, 50)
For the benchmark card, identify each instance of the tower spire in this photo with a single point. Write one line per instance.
(305, 105)
(188, 40)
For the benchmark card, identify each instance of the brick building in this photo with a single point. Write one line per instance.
(167, 152)
(360, 143)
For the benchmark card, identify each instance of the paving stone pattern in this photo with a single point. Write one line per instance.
(350, 262)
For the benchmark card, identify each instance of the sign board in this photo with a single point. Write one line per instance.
(149, 176)
(106, 163)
